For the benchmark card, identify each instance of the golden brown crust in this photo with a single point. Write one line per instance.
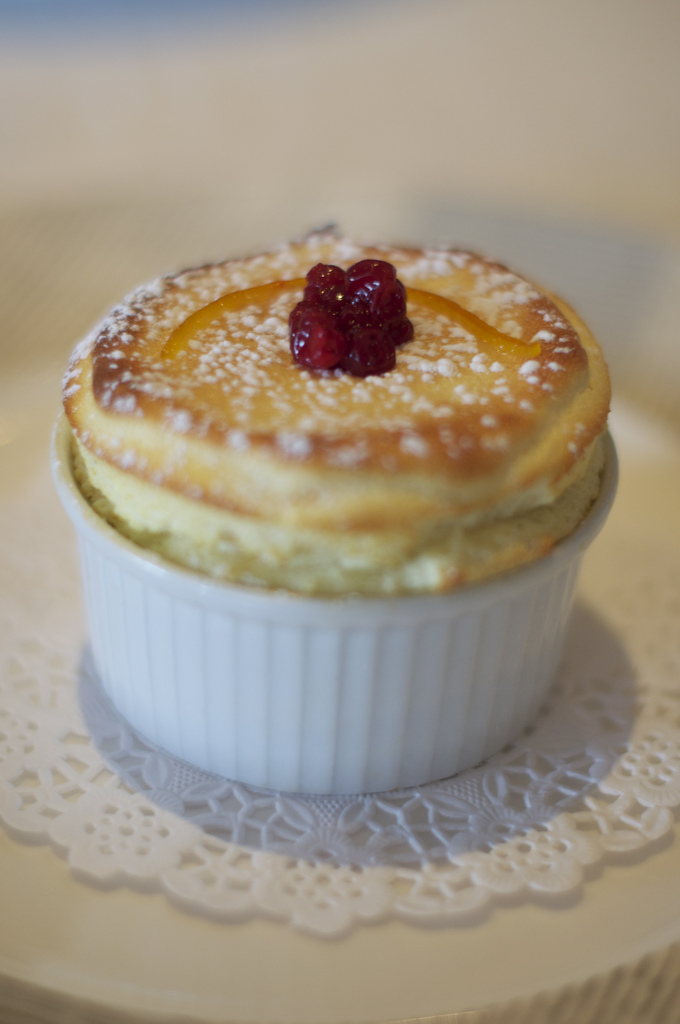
(458, 428)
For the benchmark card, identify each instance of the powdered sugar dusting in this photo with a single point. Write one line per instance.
(237, 375)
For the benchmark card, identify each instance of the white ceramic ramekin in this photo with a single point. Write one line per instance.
(321, 695)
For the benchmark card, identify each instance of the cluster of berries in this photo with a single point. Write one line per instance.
(352, 319)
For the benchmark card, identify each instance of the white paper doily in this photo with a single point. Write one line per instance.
(597, 779)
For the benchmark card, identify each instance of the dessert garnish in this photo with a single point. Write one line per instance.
(230, 302)
(479, 328)
(353, 319)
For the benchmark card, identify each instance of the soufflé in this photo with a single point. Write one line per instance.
(331, 503)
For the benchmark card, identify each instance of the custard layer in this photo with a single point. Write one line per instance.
(241, 549)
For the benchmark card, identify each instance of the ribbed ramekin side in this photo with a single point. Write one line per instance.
(321, 695)
(310, 708)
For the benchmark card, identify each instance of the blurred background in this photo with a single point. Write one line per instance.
(137, 136)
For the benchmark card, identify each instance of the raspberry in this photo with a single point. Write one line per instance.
(326, 286)
(370, 275)
(351, 319)
(371, 352)
(355, 314)
(400, 331)
(315, 340)
(375, 283)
